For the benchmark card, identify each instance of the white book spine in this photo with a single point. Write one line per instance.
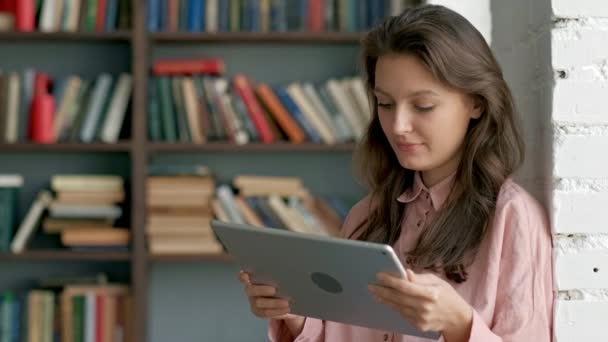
(295, 91)
(47, 14)
(12, 112)
(117, 109)
(358, 89)
(211, 15)
(335, 90)
(11, 181)
(29, 223)
(90, 318)
(226, 199)
(314, 99)
(93, 113)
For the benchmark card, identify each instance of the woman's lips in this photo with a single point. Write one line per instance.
(409, 147)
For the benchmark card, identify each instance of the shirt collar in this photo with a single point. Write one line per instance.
(438, 193)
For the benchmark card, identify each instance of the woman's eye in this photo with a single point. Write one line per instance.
(384, 105)
(424, 109)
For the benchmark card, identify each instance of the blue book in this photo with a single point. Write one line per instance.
(278, 16)
(253, 203)
(254, 13)
(112, 15)
(224, 16)
(245, 16)
(153, 20)
(303, 15)
(377, 12)
(297, 114)
(163, 20)
(195, 15)
(15, 319)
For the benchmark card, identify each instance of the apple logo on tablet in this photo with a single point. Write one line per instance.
(326, 282)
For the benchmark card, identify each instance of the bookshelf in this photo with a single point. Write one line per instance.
(58, 255)
(327, 53)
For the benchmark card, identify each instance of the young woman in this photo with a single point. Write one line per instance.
(438, 158)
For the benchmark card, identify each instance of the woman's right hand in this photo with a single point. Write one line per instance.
(265, 304)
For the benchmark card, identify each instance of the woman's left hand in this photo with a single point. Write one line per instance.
(428, 302)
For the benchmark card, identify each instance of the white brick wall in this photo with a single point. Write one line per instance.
(579, 59)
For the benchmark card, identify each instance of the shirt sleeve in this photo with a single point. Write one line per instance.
(524, 298)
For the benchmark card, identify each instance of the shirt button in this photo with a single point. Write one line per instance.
(385, 337)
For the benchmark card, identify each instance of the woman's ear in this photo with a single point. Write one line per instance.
(477, 109)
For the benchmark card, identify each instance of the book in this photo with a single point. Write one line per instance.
(27, 227)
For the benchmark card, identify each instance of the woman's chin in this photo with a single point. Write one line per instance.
(413, 163)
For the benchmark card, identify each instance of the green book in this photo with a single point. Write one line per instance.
(235, 15)
(8, 216)
(78, 318)
(167, 116)
(183, 16)
(180, 110)
(154, 123)
(6, 317)
(91, 16)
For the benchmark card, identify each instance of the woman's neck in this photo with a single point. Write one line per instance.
(433, 177)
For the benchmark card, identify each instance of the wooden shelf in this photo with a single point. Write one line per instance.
(257, 147)
(67, 36)
(65, 255)
(189, 257)
(66, 147)
(258, 37)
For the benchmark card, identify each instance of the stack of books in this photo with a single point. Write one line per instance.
(84, 211)
(179, 211)
(190, 101)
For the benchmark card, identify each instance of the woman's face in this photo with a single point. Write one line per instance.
(424, 120)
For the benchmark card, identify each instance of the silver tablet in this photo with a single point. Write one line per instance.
(324, 277)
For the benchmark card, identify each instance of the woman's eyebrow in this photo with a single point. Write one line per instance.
(411, 94)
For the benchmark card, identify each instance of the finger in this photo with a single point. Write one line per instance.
(270, 303)
(406, 287)
(273, 313)
(260, 291)
(406, 311)
(393, 297)
(244, 278)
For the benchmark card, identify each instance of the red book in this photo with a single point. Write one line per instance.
(25, 15)
(41, 123)
(172, 67)
(41, 111)
(173, 14)
(100, 21)
(7, 6)
(316, 15)
(42, 83)
(99, 318)
(244, 90)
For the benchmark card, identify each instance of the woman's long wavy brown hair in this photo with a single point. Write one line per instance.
(458, 56)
